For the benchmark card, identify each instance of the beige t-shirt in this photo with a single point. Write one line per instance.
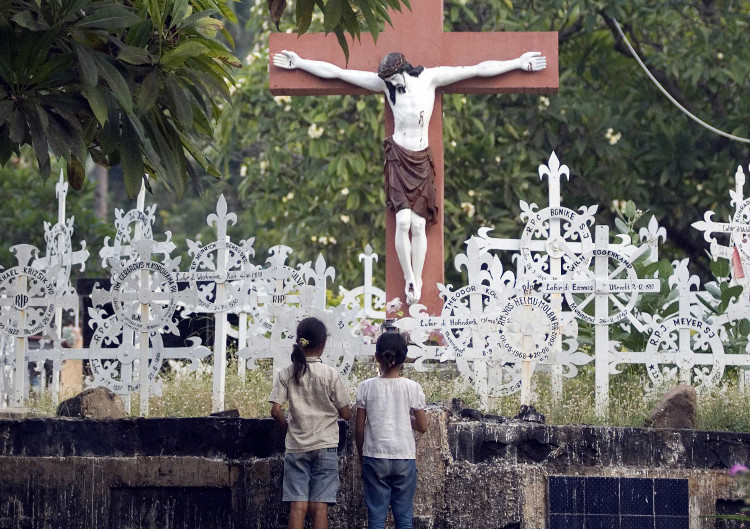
(314, 405)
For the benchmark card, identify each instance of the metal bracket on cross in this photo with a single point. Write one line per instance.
(373, 298)
(738, 230)
(613, 285)
(27, 306)
(145, 296)
(136, 224)
(685, 340)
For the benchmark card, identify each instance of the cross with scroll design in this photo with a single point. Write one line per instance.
(418, 34)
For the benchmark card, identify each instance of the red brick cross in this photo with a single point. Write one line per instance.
(418, 34)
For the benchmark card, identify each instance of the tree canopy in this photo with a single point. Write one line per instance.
(308, 170)
(137, 83)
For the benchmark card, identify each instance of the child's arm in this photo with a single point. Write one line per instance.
(345, 413)
(419, 421)
(278, 415)
(359, 431)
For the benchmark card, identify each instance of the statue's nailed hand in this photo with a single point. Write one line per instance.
(533, 61)
(286, 59)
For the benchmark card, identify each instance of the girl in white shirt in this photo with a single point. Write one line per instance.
(389, 407)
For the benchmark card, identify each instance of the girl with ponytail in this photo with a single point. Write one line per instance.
(317, 398)
(389, 407)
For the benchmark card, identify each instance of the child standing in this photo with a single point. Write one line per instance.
(388, 408)
(317, 398)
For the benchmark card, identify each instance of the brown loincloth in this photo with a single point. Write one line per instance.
(410, 180)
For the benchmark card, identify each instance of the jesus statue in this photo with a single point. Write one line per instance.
(409, 169)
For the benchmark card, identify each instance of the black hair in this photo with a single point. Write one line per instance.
(311, 335)
(391, 347)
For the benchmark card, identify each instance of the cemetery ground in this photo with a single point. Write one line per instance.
(189, 395)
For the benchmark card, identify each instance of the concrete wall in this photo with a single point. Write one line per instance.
(217, 473)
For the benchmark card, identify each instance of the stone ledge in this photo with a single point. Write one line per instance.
(201, 436)
(559, 447)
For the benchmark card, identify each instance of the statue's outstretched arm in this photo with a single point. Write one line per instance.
(291, 61)
(531, 61)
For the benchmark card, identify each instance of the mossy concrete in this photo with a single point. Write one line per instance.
(218, 472)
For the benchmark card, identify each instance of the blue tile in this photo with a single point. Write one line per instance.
(671, 497)
(566, 495)
(637, 522)
(566, 521)
(637, 496)
(602, 495)
(602, 521)
(672, 522)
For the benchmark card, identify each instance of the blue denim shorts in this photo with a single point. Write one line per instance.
(311, 476)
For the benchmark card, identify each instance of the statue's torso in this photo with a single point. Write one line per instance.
(411, 114)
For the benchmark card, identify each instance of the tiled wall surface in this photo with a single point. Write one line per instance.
(617, 503)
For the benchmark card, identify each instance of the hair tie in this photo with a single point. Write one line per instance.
(304, 342)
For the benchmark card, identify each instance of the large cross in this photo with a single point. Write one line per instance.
(418, 34)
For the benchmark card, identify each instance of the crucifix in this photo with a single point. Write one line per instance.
(418, 35)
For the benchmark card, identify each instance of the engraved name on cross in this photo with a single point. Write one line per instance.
(418, 34)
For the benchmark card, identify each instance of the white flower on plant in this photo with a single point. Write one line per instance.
(471, 192)
(314, 131)
(290, 195)
(331, 240)
(313, 238)
(453, 143)
(345, 191)
(699, 187)
(543, 103)
(463, 100)
(468, 208)
(263, 166)
(720, 56)
(341, 132)
(344, 218)
(282, 100)
(612, 136)
(243, 170)
(393, 305)
(497, 159)
(323, 240)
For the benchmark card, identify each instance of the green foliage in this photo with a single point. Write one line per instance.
(340, 17)
(621, 138)
(27, 206)
(130, 83)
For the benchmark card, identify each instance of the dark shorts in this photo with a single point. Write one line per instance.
(311, 476)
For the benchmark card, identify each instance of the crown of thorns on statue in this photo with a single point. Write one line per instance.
(392, 64)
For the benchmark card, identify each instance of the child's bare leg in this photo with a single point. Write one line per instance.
(297, 512)
(319, 515)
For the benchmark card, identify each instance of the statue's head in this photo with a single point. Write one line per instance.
(394, 63)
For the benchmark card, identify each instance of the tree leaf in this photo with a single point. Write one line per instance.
(178, 102)
(115, 81)
(97, 102)
(276, 8)
(304, 15)
(149, 91)
(76, 174)
(332, 15)
(87, 66)
(133, 55)
(26, 19)
(109, 17)
(177, 56)
(6, 109)
(131, 159)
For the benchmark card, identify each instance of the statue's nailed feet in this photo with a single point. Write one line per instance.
(413, 292)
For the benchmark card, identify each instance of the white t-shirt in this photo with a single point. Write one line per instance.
(387, 401)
